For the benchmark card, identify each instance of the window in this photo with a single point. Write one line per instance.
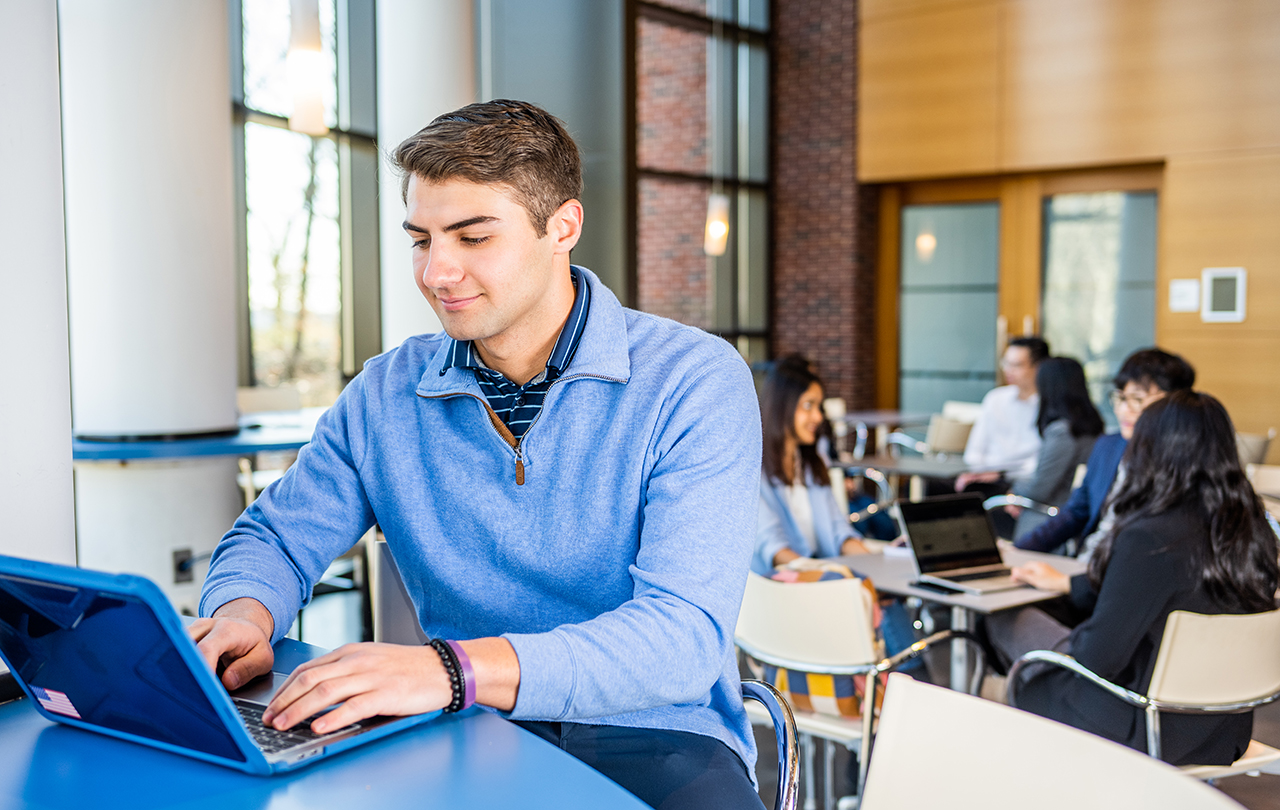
(309, 217)
(701, 70)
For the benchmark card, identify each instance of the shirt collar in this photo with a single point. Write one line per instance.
(463, 354)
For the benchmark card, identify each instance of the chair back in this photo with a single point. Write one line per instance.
(947, 435)
(815, 625)
(1220, 659)
(940, 748)
(1253, 447)
(962, 411)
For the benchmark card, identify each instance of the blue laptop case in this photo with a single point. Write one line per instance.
(108, 653)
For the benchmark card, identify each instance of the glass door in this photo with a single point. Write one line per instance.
(1099, 284)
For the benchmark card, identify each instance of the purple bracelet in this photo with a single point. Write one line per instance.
(468, 674)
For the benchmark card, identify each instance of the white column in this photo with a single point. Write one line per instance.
(146, 109)
(35, 405)
(426, 67)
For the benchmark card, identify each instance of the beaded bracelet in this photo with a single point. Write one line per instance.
(457, 680)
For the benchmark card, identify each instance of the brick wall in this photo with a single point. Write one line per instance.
(824, 224)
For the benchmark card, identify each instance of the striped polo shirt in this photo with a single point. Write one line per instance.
(518, 405)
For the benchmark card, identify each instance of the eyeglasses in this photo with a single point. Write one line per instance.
(1134, 402)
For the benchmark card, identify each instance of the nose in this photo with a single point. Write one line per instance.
(440, 270)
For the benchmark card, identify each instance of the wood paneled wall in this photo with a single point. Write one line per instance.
(1015, 91)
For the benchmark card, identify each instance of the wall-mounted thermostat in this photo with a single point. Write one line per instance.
(1222, 294)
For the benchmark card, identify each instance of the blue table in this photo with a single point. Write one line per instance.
(474, 759)
(259, 432)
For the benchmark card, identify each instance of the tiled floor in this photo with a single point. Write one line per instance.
(1254, 792)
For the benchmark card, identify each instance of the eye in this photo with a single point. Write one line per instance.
(423, 243)
(474, 240)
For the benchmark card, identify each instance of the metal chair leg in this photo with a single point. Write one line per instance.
(810, 798)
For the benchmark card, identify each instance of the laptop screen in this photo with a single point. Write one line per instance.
(950, 532)
(105, 659)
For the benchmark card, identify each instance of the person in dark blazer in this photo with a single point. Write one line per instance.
(1189, 534)
(1145, 376)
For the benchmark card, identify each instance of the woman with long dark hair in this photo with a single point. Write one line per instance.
(798, 514)
(1068, 424)
(1190, 534)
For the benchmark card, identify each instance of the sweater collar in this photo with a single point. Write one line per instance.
(604, 350)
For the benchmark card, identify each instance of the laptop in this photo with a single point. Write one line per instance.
(108, 653)
(953, 545)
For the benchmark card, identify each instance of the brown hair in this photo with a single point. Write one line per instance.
(499, 142)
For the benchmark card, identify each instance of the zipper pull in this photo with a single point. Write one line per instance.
(519, 468)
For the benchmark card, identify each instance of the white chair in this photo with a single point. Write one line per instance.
(944, 437)
(962, 411)
(823, 628)
(939, 748)
(1222, 664)
(1253, 447)
(1266, 482)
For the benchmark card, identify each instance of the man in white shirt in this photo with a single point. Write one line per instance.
(1005, 435)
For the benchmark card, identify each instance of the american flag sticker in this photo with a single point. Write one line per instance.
(55, 701)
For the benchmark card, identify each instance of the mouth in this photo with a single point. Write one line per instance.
(455, 303)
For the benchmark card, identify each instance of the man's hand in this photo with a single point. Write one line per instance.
(237, 641)
(372, 679)
(965, 479)
(1043, 576)
(854, 545)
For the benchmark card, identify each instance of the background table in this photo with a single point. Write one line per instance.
(893, 573)
(474, 759)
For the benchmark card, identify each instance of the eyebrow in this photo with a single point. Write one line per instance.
(457, 226)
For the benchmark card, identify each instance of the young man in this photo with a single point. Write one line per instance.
(568, 488)
(1005, 434)
(1145, 376)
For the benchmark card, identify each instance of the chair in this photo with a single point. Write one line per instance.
(1253, 447)
(784, 730)
(962, 411)
(1222, 664)
(1266, 482)
(1001, 501)
(944, 437)
(939, 748)
(823, 628)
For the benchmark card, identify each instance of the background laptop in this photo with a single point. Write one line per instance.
(108, 653)
(953, 544)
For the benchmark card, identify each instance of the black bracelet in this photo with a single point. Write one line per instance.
(457, 681)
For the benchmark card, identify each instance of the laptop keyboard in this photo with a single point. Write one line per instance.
(994, 572)
(272, 740)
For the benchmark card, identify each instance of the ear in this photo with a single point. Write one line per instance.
(565, 226)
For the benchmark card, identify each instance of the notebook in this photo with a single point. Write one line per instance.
(108, 653)
(953, 544)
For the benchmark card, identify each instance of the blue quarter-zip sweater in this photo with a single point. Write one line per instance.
(610, 545)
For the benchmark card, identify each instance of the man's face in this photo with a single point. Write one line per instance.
(1130, 401)
(477, 260)
(1017, 367)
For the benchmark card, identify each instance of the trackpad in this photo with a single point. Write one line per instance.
(261, 689)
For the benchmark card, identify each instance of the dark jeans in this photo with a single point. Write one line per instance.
(668, 770)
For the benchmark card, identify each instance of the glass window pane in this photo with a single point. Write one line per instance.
(671, 102)
(949, 287)
(266, 46)
(1099, 281)
(672, 269)
(291, 187)
(753, 113)
(754, 14)
(753, 258)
